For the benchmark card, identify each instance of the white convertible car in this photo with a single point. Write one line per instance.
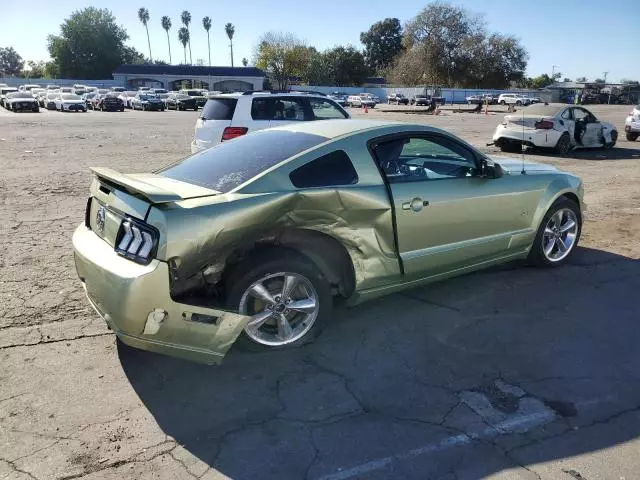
(557, 126)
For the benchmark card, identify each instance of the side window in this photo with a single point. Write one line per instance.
(291, 109)
(329, 170)
(262, 109)
(424, 158)
(579, 114)
(324, 110)
(566, 115)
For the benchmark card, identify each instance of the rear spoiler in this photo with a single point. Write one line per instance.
(132, 185)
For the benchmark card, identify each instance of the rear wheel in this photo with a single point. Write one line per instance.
(614, 139)
(632, 136)
(511, 147)
(557, 235)
(564, 144)
(502, 102)
(286, 296)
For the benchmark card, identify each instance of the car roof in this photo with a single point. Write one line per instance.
(339, 127)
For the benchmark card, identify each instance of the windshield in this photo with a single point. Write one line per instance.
(229, 164)
(147, 97)
(70, 97)
(181, 96)
(21, 95)
(194, 93)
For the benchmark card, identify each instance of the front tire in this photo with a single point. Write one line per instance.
(502, 102)
(558, 234)
(287, 297)
(563, 146)
(632, 136)
(614, 139)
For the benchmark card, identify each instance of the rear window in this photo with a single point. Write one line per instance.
(232, 163)
(219, 109)
(329, 170)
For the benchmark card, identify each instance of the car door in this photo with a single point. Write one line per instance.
(447, 216)
(588, 130)
(566, 119)
(285, 110)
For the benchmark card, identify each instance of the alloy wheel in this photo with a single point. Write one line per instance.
(283, 307)
(560, 235)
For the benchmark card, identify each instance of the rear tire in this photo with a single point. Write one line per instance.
(614, 139)
(537, 255)
(632, 136)
(268, 267)
(510, 147)
(502, 102)
(563, 146)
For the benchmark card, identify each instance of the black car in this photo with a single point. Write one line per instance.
(21, 102)
(179, 101)
(200, 99)
(110, 103)
(398, 99)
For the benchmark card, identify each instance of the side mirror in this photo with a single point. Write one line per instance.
(490, 170)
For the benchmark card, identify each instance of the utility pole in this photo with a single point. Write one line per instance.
(553, 70)
(605, 85)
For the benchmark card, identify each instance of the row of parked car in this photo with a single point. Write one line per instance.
(80, 98)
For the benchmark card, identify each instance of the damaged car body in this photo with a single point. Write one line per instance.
(251, 241)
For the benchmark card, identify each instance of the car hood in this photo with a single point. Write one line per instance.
(21, 99)
(73, 101)
(512, 166)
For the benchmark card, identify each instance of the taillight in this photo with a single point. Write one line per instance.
(233, 132)
(136, 241)
(544, 125)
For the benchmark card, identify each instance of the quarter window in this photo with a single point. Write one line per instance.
(424, 158)
(329, 170)
(325, 110)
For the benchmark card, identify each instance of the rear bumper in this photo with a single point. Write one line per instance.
(125, 294)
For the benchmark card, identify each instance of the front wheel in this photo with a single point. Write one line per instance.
(557, 235)
(632, 136)
(286, 296)
(502, 102)
(614, 139)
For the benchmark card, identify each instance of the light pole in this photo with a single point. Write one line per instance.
(605, 86)
(553, 70)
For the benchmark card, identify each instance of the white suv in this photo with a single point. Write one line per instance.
(632, 124)
(513, 98)
(228, 116)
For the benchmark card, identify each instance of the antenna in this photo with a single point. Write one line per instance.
(523, 171)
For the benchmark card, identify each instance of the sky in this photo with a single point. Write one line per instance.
(580, 37)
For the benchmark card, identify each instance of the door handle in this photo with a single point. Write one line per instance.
(415, 205)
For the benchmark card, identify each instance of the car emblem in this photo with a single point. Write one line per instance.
(100, 218)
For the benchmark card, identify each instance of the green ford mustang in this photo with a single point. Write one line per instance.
(252, 240)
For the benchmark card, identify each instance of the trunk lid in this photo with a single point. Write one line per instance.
(526, 121)
(115, 196)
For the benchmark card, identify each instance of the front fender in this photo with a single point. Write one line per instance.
(565, 185)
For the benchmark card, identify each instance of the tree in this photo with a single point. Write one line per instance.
(186, 20)
(166, 24)
(90, 45)
(581, 79)
(628, 81)
(445, 44)
(206, 23)
(11, 63)
(143, 16)
(281, 55)
(383, 43)
(346, 65)
(36, 70)
(598, 80)
(183, 37)
(230, 30)
(566, 79)
(245, 62)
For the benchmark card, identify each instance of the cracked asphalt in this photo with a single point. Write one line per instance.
(512, 373)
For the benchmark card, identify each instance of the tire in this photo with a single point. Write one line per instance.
(273, 262)
(632, 136)
(563, 147)
(510, 147)
(122, 109)
(502, 102)
(614, 139)
(519, 103)
(537, 254)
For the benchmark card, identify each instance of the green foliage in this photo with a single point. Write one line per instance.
(581, 79)
(346, 66)
(382, 43)
(230, 30)
(245, 62)
(445, 44)
(36, 70)
(11, 63)
(206, 23)
(540, 81)
(184, 38)
(90, 45)
(282, 55)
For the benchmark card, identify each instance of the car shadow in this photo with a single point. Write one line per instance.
(598, 154)
(393, 375)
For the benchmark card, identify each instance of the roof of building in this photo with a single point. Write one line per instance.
(188, 70)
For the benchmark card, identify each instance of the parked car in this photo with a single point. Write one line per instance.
(534, 100)
(398, 99)
(481, 99)
(88, 97)
(117, 89)
(110, 102)
(21, 102)
(147, 101)
(37, 91)
(277, 225)
(69, 102)
(420, 99)
(144, 89)
(67, 90)
(41, 98)
(557, 126)
(4, 91)
(53, 87)
(158, 91)
(513, 99)
(28, 87)
(632, 124)
(339, 99)
(50, 100)
(180, 101)
(361, 100)
(200, 99)
(228, 116)
(127, 98)
(104, 91)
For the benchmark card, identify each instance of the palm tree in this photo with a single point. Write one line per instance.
(183, 36)
(166, 24)
(186, 20)
(245, 62)
(206, 23)
(143, 16)
(230, 29)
